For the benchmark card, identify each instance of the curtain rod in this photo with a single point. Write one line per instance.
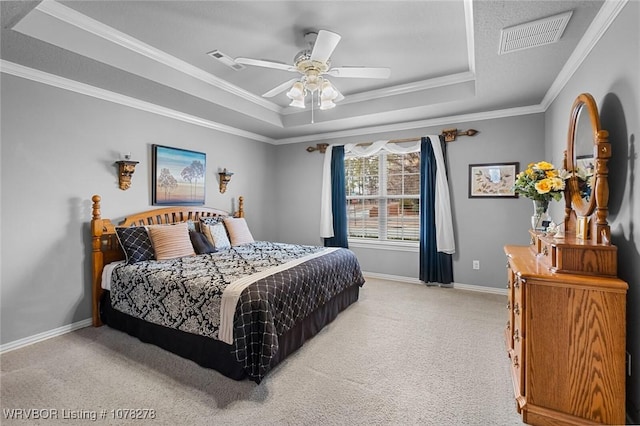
(449, 135)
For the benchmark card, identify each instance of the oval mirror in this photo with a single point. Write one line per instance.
(582, 153)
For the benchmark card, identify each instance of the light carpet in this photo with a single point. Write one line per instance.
(404, 354)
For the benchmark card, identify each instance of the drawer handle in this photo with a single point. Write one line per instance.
(545, 251)
(516, 335)
(516, 284)
(516, 309)
(515, 361)
(508, 325)
(508, 285)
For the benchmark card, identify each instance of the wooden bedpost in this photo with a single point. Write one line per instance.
(97, 260)
(240, 212)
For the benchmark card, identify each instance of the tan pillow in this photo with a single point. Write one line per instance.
(171, 241)
(238, 231)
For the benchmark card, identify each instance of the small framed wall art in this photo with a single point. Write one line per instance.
(179, 176)
(492, 180)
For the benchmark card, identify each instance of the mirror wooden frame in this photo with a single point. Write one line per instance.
(588, 218)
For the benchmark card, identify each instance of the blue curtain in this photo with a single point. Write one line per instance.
(435, 267)
(338, 200)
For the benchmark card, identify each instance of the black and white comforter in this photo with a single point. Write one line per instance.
(186, 293)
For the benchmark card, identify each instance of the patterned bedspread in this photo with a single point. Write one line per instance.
(186, 293)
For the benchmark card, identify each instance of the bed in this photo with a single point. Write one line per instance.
(240, 308)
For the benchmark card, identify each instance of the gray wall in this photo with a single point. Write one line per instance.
(482, 226)
(58, 149)
(610, 73)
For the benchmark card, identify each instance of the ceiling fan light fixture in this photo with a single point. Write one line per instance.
(326, 104)
(328, 92)
(297, 91)
(313, 63)
(298, 103)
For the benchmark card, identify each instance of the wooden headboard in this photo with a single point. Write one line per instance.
(106, 247)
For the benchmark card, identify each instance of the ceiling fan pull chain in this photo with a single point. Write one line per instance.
(312, 108)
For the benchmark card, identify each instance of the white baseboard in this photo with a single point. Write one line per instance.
(459, 286)
(20, 343)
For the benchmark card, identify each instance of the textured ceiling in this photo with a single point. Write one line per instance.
(443, 57)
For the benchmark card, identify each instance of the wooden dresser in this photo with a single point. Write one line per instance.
(566, 325)
(565, 337)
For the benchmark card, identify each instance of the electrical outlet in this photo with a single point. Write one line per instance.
(476, 264)
(628, 364)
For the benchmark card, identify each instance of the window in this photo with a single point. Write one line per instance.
(383, 196)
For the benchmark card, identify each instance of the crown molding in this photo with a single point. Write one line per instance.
(605, 17)
(410, 125)
(95, 92)
(85, 23)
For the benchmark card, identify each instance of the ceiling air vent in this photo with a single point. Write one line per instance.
(226, 59)
(533, 34)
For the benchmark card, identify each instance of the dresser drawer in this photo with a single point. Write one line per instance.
(567, 255)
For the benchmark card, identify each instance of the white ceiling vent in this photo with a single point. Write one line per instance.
(533, 34)
(226, 59)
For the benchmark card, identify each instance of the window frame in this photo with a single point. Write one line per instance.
(382, 241)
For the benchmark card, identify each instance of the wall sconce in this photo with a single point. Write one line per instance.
(225, 178)
(126, 168)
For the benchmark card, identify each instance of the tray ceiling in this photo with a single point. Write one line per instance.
(443, 55)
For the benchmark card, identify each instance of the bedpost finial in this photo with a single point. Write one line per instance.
(96, 206)
(240, 206)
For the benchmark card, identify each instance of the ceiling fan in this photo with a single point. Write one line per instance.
(314, 63)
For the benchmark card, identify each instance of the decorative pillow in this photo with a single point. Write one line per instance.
(238, 231)
(171, 241)
(135, 243)
(200, 243)
(211, 220)
(217, 235)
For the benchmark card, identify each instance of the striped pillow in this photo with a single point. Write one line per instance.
(171, 241)
(238, 231)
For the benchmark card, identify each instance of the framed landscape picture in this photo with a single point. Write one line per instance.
(179, 176)
(492, 180)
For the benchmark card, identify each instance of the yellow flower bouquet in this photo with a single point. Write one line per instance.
(541, 182)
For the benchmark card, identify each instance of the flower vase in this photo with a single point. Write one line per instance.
(540, 219)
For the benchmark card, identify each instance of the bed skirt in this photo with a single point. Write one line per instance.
(215, 354)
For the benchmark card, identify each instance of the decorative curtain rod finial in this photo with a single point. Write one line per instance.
(450, 135)
(320, 147)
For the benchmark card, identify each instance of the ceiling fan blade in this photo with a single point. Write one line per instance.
(324, 45)
(279, 89)
(359, 72)
(266, 64)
